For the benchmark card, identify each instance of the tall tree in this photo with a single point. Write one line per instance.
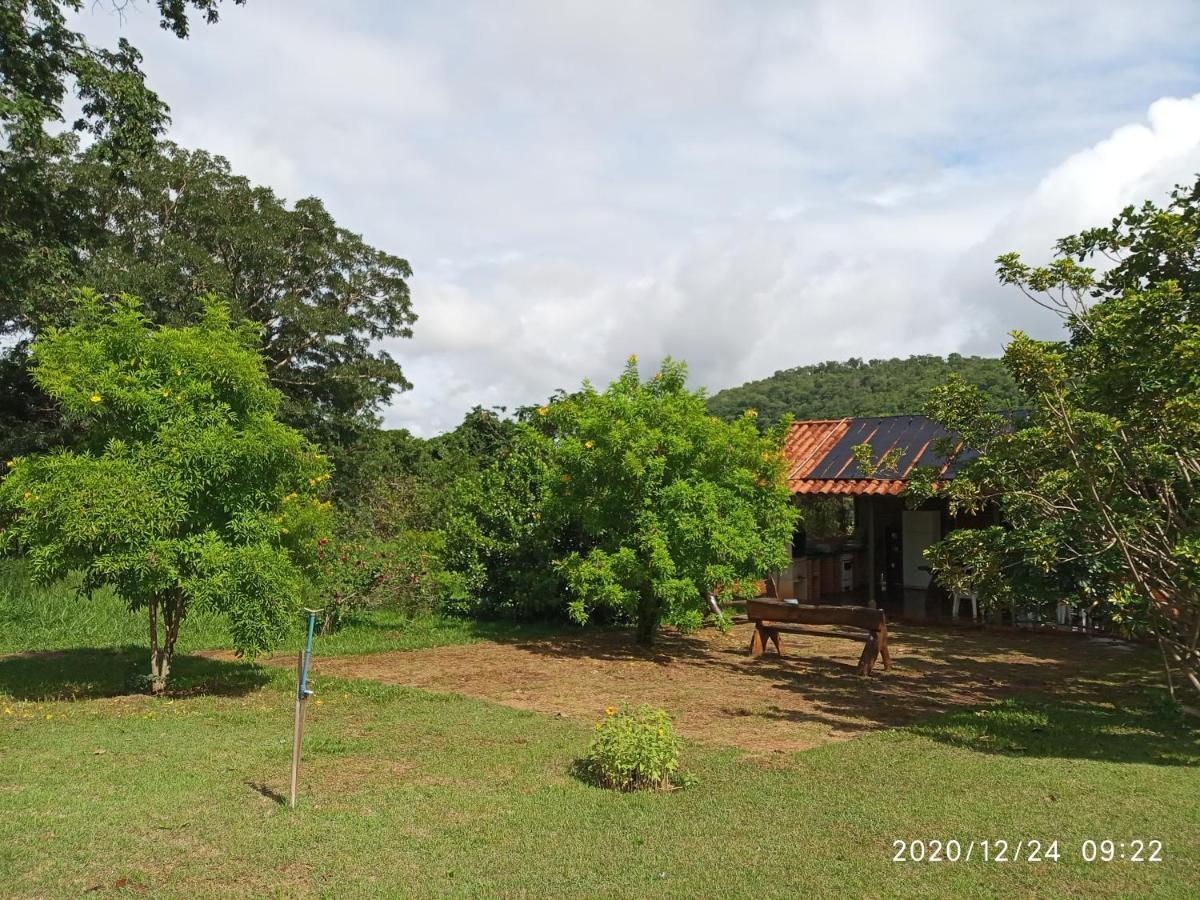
(179, 224)
(135, 214)
(42, 63)
(186, 491)
(43, 213)
(1100, 483)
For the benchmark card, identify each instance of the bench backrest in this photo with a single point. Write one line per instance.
(766, 610)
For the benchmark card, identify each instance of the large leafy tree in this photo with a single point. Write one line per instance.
(178, 225)
(173, 225)
(137, 215)
(668, 502)
(45, 68)
(186, 492)
(1098, 487)
(43, 63)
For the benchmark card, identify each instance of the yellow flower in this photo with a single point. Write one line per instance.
(542, 410)
(633, 358)
(766, 456)
(177, 373)
(95, 398)
(752, 414)
(566, 478)
(610, 710)
(12, 463)
(8, 710)
(588, 444)
(166, 392)
(28, 495)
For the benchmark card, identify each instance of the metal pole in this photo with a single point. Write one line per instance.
(302, 695)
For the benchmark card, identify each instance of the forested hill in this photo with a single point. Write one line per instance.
(880, 387)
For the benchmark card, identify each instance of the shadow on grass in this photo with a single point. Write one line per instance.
(86, 673)
(1151, 732)
(260, 787)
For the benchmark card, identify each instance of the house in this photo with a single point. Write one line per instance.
(859, 541)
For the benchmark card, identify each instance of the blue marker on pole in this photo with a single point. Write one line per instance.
(312, 622)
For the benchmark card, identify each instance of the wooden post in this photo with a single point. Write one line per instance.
(871, 574)
(866, 662)
(298, 737)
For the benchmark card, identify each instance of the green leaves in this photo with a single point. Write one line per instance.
(185, 486)
(1096, 487)
(667, 502)
(633, 749)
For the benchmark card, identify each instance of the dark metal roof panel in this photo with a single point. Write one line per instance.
(822, 460)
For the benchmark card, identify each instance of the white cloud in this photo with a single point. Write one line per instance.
(746, 186)
(1136, 162)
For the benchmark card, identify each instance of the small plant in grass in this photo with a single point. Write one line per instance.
(634, 749)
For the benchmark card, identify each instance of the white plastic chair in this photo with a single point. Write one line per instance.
(959, 597)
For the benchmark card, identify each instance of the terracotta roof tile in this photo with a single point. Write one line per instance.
(820, 453)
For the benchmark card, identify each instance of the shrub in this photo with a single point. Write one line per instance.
(633, 750)
(404, 573)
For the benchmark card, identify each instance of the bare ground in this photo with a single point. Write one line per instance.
(716, 693)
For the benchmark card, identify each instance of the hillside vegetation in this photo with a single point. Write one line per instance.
(878, 387)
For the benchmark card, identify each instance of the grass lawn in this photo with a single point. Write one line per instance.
(53, 617)
(409, 793)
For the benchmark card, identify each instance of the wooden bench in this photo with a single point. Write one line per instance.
(774, 617)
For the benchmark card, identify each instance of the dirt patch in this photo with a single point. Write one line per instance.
(717, 693)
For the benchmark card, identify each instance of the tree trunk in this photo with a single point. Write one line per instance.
(649, 614)
(162, 652)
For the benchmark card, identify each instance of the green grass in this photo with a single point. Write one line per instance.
(417, 794)
(57, 617)
(407, 793)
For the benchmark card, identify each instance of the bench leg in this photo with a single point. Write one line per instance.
(883, 646)
(758, 640)
(866, 662)
(773, 635)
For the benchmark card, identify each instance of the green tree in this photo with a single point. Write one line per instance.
(173, 225)
(186, 491)
(42, 63)
(1098, 485)
(46, 224)
(668, 502)
(493, 475)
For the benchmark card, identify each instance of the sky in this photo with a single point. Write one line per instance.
(745, 186)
